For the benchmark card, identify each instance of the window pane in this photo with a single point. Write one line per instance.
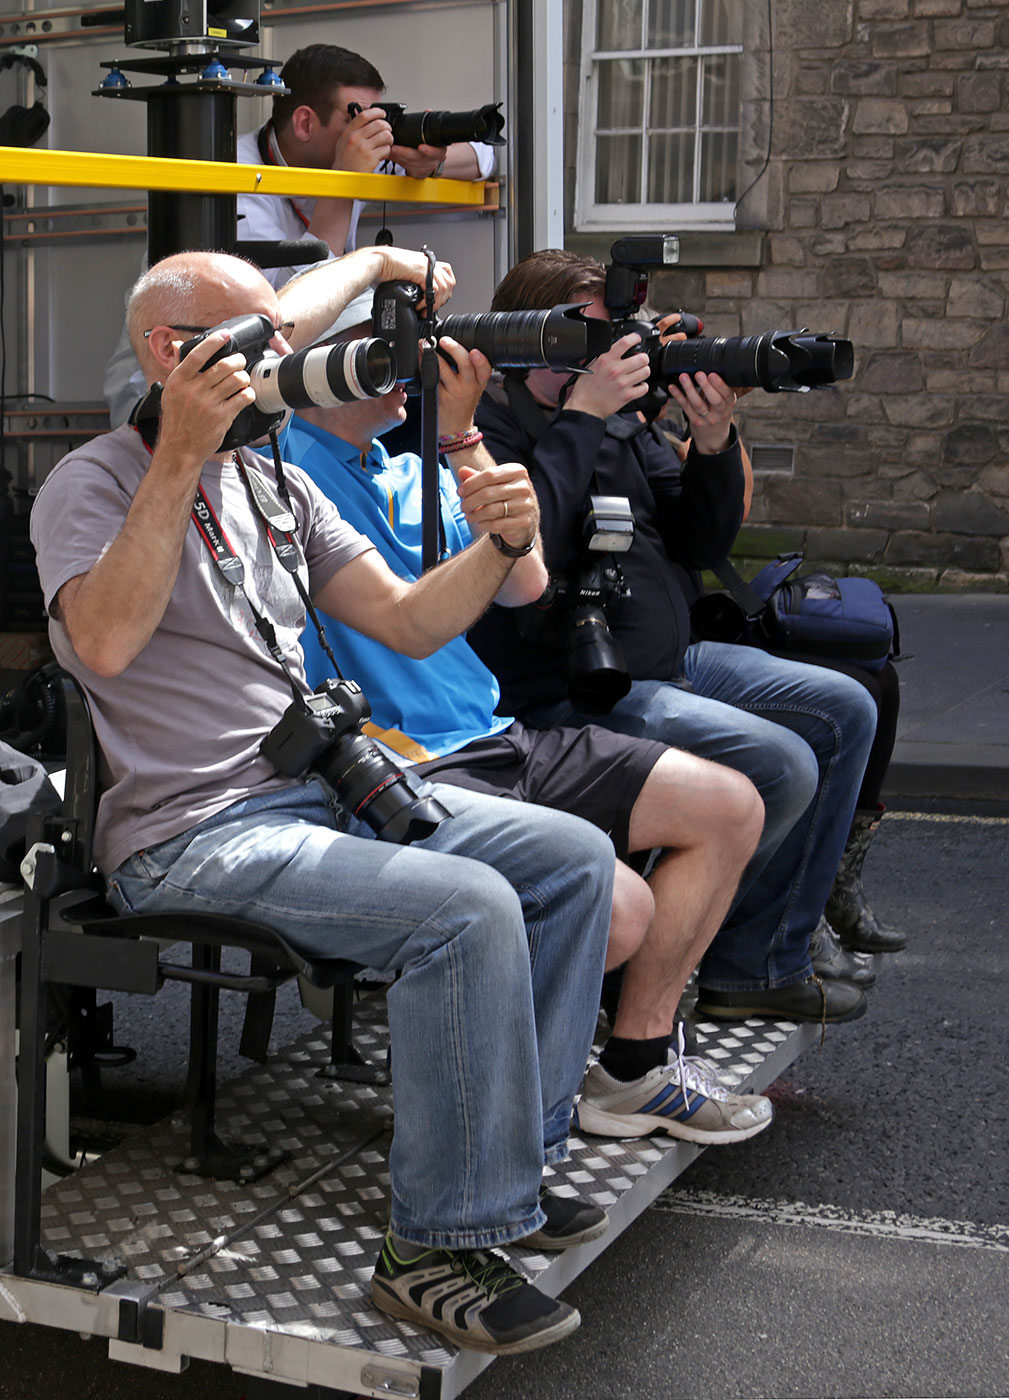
(621, 93)
(718, 166)
(720, 103)
(673, 101)
(671, 24)
(618, 24)
(618, 163)
(671, 168)
(721, 22)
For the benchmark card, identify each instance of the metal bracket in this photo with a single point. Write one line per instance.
(29, 866)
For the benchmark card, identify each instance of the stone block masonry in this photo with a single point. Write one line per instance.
(889, 224)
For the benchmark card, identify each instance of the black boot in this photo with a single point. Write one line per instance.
(847, 908)
(830, 959)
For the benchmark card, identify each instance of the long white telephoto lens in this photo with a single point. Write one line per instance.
(325, 376)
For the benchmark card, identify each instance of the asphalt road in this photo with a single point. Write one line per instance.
(857, 1248)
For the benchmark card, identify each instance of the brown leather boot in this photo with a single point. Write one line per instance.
(848, 909)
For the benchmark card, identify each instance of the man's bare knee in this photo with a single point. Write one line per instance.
(688, 802)
(631, 916)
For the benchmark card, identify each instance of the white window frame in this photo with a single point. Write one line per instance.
(590, 216)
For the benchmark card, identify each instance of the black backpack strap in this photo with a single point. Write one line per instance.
(751, 603)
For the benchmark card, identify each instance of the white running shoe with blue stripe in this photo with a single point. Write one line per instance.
(682, 1098)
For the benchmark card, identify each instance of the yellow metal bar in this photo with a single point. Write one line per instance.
(34, 167)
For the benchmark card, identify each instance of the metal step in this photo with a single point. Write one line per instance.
(271, 1278)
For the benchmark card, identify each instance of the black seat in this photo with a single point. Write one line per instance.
(71, 936)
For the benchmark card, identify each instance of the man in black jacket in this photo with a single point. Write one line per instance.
(799, 733)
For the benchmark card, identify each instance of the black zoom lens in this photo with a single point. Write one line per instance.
(373, 789)
(327, 375)
(597, 675)
(558, 338)
(776, 361)
(443, 128)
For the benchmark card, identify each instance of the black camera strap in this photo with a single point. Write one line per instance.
(430, 486)
(281, 525)
(232, 570)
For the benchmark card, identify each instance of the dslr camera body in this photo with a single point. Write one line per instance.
(775, 361)
(325, 375)
(321, 733)
(485, 124)
(574, 611)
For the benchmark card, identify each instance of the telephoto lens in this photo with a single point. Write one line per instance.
(484, 124)
(324, 376)
(561, 338)
(777, 361)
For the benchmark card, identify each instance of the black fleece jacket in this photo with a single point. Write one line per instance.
(686, 518)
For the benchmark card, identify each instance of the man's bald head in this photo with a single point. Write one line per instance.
(194, 289)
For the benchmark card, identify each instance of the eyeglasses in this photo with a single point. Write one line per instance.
(283, 330)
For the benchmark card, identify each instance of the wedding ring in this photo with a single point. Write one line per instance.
(505, 504)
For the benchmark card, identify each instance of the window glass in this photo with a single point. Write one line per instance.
(671, 168)
(618, 24)
(621, 93)
(618, 166)
(671, 24)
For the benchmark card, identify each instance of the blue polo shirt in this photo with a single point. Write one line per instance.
(447, 700)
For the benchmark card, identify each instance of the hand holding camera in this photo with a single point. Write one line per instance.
(613, 381)
(708, 404)
(201, 400)
(365, 142)
(462, 377)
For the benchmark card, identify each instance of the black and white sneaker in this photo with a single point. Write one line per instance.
(472, 1296)
(569, 1222)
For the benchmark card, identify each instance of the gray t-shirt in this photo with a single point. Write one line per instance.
(180, 728)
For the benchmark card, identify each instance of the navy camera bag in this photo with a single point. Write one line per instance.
(847, 619)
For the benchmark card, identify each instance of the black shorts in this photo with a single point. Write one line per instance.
(592, 772)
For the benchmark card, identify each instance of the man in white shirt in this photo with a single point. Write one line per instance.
(312, 127)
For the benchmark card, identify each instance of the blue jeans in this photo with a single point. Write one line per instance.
(802, 735)
(497, 924)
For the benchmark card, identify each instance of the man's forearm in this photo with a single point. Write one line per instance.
(314, 301)
(330, 221)
(112, 612)
(447, 600)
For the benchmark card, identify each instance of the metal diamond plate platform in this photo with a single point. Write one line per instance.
(271, 1278)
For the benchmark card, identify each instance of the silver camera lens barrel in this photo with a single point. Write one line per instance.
(325, 376)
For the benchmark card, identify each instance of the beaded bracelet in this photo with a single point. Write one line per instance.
(457, 442)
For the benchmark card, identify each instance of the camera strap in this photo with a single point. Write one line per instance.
(281, 525)
(232, 570)
(430, 485)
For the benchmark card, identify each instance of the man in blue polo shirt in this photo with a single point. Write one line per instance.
(439, 712)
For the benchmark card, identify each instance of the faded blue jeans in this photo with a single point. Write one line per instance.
(802, 735)
(497, 924)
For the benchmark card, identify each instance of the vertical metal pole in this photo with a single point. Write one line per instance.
(10, 946)
(31, 1076)
(191, 125)
(537, 108)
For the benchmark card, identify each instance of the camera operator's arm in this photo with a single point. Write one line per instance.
(457, 162)
(562, 461)
(698, 496)
(364, 143)
(111, 612)
(495, 499)
(612, 382)
(313, 301)
(415, 618)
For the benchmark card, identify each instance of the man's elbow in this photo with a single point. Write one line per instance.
(102, 656)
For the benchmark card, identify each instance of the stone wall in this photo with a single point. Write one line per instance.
(885, 215)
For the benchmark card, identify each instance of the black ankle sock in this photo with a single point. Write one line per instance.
(632, 1059)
